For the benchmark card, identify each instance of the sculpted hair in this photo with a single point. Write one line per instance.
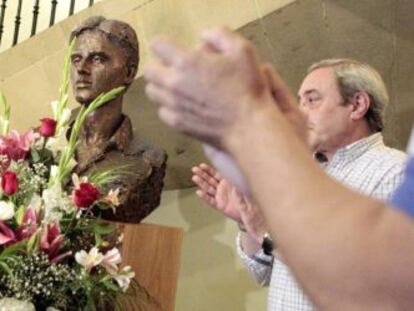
(118, 32)
(352, 77)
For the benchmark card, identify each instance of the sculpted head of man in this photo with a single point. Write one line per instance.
(344, 101)
(105, 56)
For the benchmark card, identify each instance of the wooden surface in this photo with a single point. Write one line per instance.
(154, 252)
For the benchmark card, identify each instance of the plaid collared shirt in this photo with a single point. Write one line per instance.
(367, 166)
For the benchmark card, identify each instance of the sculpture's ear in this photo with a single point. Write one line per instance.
(132, 71)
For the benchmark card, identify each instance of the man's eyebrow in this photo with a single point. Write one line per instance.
(309, 92)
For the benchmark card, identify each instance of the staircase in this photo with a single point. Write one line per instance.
(20, 19)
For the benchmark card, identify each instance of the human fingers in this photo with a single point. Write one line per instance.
(158, 74)
(280, 91)
(168, 50)
(199, 171)
(285, 101)
(211, 171)
(220, 39)
(189, 123)
(181, 106)
(236, 46)
(228, 168)
(204, 185)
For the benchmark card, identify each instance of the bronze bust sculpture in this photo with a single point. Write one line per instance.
(106, 56)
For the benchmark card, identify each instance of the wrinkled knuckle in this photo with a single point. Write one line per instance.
(174, 83)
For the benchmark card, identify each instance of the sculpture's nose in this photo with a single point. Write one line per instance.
(82, 67)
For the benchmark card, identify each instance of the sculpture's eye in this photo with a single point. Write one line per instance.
(75, 59)
(97, 59)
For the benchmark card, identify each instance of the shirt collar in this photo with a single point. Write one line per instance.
(359, 147)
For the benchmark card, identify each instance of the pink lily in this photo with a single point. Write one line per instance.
(60, 257)
(51, 240)
(7, 235)
(16, 146)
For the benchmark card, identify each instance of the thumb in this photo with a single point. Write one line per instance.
(280, 91)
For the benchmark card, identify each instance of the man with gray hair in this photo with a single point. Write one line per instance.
(343, 101)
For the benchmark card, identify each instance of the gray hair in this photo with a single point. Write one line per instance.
(352, 77)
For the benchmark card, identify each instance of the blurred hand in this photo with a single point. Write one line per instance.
(285, 101)
(209, 92)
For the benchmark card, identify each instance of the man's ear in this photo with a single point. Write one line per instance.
(360, 104)
(131, 72)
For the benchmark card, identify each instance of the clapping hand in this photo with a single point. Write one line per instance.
(220, 194)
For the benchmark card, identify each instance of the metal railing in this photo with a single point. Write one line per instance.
(36, 11)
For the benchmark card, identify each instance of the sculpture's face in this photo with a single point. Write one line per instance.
(98, 66)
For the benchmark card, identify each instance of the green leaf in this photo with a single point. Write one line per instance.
(90, 304)
(35, 155)
(5, 267)
(98, 239)
(11, 250)
(5, 116)
(33, 242)
(110, 285)
(103, 177)
(19, 215)
(103, 229)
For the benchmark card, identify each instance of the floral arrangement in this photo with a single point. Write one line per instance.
(55, 252)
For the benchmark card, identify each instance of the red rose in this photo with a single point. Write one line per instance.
(9, 183)
(47, 127)
(85, 195)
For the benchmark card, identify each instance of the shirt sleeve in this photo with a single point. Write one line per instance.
(389, 182)
(259, 266)
(403, 198)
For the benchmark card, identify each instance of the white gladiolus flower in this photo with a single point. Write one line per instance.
(124, 277)
(89, 260)
(66, 113)
(55, 201)
(7, 304)
(58, 142)
(36, 203)
(54, 170)
(111, 261)
(6, 210)
(55, 105)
